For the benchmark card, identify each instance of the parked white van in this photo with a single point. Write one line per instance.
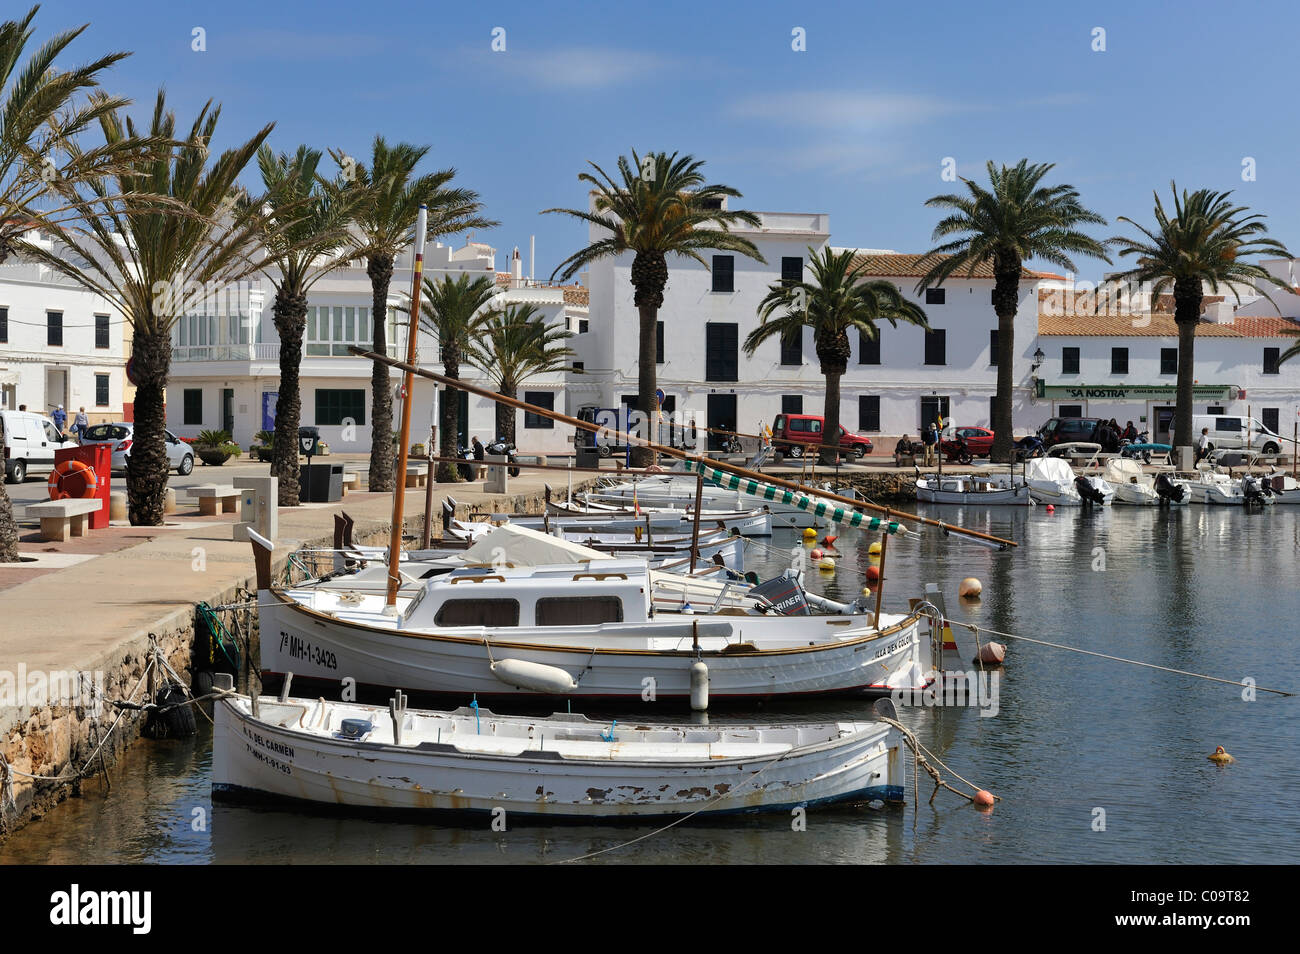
(30, 441)
(1231, 432)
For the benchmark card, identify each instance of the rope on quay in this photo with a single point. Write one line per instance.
(1133, 662)
(677, 821)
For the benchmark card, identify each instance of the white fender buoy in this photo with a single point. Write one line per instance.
(530, 675)
(699, 686)
(970, 588)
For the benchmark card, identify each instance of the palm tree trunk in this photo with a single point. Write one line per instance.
(831, 415)
(649, 276)
(1006, 295)
(147, 466)
(1187, 312)
(290, 312)
(449, 420)
(505, 413)
(380, 271)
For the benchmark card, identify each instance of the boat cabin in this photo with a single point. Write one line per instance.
(580, 594)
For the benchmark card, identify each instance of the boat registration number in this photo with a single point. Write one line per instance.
(300, 648)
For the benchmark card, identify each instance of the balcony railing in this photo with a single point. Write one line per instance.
(262, 351)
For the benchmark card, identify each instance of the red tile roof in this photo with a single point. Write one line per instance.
(1161, 326)
(895, 265)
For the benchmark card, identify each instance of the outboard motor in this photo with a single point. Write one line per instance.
(1089, 493)
(1168, 491)
(1251, 492)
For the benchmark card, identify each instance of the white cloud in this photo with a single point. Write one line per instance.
(582, 67)
(843, 109)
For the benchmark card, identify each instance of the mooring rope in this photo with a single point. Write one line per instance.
(1133, 662)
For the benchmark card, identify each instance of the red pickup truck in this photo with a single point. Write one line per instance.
(790, 431)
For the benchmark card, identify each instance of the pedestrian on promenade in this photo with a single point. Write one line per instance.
(79, 424)
(930, 436)
(477, 447)
(60, 418)
(1203, 445)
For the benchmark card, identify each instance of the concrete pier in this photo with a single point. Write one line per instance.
(82, 632)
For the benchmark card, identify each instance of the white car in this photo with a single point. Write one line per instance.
(29, 442)
(180, 456)
(1230, 432)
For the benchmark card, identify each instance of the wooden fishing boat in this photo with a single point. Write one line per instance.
(565, 766)
(973, 490)
(586, 630)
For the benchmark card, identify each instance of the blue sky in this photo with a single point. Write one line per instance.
(858, 125)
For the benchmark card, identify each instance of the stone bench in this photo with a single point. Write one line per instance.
(417, 475)
(905, 460)
(351, 480)
(210, 495)
(61, 518)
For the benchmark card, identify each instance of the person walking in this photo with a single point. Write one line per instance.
(79, 425)
(1203, 445)
(60, 418)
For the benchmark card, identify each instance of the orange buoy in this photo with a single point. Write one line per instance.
(72, 478)
(1051, 508)
(829, 540)
(983, 799)
(816, 553)
(873, 573)
(1221, 757)
(992, 654)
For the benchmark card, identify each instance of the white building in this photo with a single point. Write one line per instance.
(225, 367)
(1124, 365)
(892, 386)
(59, 344)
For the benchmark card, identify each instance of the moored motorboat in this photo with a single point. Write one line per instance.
(1134, 487)
(473, 760)
(1052, 481)
(972, 490)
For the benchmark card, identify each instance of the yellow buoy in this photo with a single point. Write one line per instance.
(1221, 757)
(969, 588)
(809, 533)
(827, 565)
(874, 549)
(866, 591)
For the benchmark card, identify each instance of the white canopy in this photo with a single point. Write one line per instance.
(526, 547)
(1051, 469)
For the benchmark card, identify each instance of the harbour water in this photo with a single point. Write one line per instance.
(1093, 760)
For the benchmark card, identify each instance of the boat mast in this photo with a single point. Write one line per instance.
(408, 387)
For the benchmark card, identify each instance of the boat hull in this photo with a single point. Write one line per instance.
(259, 756)
(652, 662)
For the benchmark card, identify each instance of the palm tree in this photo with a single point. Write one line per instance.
(512, 345)
(661, 207)
(386, 222)
(452, 312)
(1292, 351)
(158, 258)
(836, 300)
(40, 115)
(305, 237)
(1012, 221)
(1204, 243)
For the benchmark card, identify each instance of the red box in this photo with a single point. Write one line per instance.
(100, 457)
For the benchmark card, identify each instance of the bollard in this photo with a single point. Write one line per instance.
(170, 505)
(117, 505)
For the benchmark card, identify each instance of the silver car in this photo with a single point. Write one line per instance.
(180, 456)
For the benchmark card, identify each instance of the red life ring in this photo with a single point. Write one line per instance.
(81, 480)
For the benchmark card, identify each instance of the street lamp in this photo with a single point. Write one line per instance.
(1039, 357)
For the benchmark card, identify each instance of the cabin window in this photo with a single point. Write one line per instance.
(478, 612)
(579, 610)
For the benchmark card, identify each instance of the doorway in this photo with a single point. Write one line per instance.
(721, 415)
(932, 408)
(1163, 431)
(56, 388)
(228, 410)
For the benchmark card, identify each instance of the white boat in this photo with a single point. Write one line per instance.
(1052, 481)
(1218, 489)
(586, 630)
(564, 766)
(756, 522)
(1135, 487)
(973, 490)
(677, 491)
(1286, 490)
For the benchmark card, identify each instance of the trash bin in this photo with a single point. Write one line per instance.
(100, 457)
(320, 483)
